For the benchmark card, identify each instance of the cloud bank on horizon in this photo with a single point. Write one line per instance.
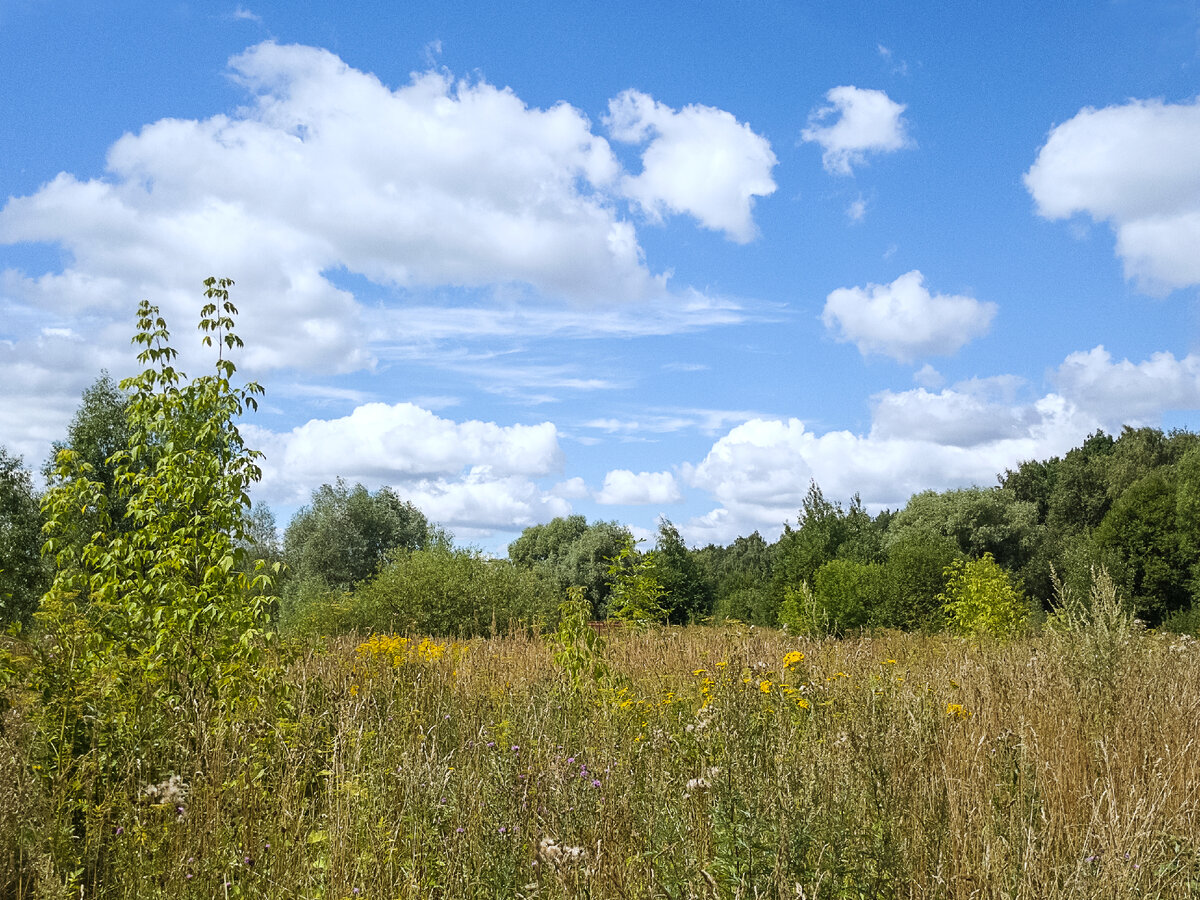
(511, 311)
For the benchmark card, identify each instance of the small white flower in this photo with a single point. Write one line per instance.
(558, 856)
(171, 792)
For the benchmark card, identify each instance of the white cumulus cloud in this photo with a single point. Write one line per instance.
(470, 475)
(437, 182)
(625, 488)
(856, 121)
(959, 417)
(395, 441)
(1124, 392)
(760, 471)
(482, 503)
(1135, 166)
(904, 320)
(699, 160)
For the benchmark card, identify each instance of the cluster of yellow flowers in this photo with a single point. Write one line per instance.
(758, 678)
(397, 650)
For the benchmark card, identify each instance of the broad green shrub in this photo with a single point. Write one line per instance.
(980, 600)
(915, 576)
(1184, 621)
(844, 596)
(444, 591)
(847, 592)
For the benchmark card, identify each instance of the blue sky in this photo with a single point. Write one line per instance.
(626, 260)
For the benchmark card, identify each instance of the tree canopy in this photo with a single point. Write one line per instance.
(343, 535)
(573, 553)
(23, 573)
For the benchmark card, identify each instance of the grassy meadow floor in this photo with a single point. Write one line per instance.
(707, 762)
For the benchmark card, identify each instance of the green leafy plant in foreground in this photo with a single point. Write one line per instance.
(637, 594)
(578, 648)
(151, 630)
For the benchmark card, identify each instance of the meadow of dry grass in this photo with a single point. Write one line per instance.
(707, 762)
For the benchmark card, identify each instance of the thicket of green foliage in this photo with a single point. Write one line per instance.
(1128, 504)
(573, 553)
(442, 591)
(23, 574)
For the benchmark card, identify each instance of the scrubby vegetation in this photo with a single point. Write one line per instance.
(704, 761)
(959, 699)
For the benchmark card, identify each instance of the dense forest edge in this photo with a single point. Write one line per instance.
(932, 702)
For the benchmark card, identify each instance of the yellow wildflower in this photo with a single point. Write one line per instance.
(792, 658)
(765, 687)
(956, 711)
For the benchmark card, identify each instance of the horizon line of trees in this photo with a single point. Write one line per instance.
(1128, 504)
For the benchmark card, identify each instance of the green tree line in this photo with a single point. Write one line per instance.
(1129, 504)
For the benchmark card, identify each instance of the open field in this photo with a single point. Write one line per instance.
(698, 762)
